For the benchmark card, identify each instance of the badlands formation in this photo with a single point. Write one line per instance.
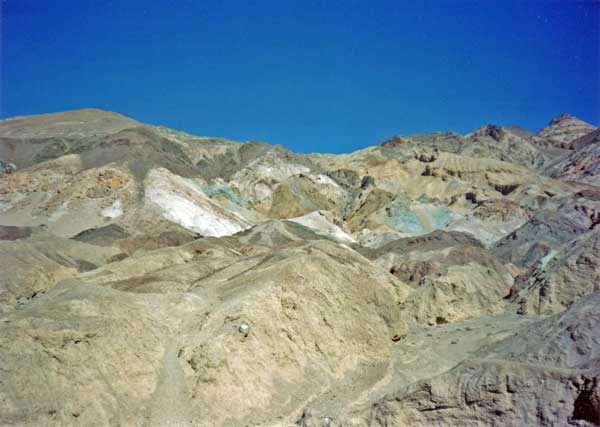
(149, 277)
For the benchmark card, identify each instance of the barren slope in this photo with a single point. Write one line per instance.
(154, 278)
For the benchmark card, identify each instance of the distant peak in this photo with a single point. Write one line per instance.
(563, 118)
(90, 121)
(567, 119)
(80, 114)
(564, 129)
(395, 141)
(493, 131)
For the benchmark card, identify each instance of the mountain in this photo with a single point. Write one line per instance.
(564, 129)
(149, 277)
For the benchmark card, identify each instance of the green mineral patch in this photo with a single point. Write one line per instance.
(402, 218)
(214, 191)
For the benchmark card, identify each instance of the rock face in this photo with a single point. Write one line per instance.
(453, 276)
(581, 165)
(149, 277)
(7, 168)
(546, 374)
(565, 129)
(83, 365)
(563, 276)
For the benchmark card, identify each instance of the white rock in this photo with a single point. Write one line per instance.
(244, 329)
(182, 202)
(58, 213)
(113, 211)
(324, 179)
(319, 223)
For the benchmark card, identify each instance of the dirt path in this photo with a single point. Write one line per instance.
(170, 404)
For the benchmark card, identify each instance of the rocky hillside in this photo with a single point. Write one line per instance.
(563, 130)
(149, 277)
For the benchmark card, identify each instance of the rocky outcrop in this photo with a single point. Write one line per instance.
(546, 374)
(564, 129)
(581, 165)
(562, 277)
(453, 276)
(7, 168)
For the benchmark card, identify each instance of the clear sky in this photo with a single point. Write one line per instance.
(312, 75)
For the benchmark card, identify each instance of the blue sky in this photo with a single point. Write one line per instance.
(329, 76)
